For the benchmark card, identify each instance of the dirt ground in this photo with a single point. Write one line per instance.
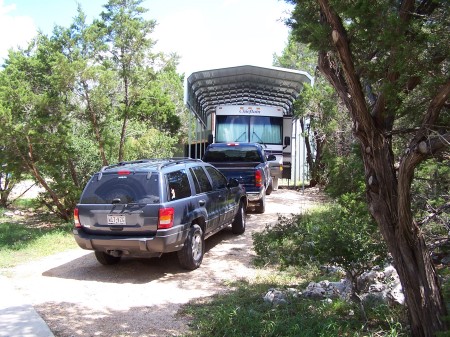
(76, 296)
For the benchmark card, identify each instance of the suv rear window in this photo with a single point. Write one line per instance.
(122, 189)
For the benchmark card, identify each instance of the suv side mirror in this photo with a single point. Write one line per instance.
(233, 183)
(271, 157)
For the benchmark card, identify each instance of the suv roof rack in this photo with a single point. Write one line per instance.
(163, 162)
(123, 163)
(178, 160)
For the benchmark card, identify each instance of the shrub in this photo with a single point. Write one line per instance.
(342, 234)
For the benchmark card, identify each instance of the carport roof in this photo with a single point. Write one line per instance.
(243, 85)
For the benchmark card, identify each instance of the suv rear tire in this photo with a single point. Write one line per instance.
(106, 259)
(191, 255)
(238, 226)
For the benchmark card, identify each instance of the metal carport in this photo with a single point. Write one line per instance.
(241, 85)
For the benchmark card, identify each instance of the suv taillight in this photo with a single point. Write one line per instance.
(258, 178)
(76, 218)
(165, 218)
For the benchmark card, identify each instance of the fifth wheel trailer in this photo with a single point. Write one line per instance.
(259, 88)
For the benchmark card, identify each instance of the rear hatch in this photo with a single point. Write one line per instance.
(120, 203)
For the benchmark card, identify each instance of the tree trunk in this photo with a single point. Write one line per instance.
(6, 186)
(30, 163)
(126, 108)
(314, 166)
(389, 196)
(389, 203)
(122, 136)
(95, 126)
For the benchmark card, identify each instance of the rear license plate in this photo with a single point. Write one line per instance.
(116, 220)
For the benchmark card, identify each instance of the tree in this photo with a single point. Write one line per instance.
(388, 62)
(127, 36)
(95, 83)
(11, 170)
(64, 100)
(35, 107)
(315, 107)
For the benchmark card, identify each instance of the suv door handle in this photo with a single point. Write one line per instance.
(202, 202)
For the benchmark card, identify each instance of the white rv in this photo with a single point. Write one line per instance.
(257, 124)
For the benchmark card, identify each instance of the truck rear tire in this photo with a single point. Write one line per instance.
(238, 225)
(269, 189)
(275, 183)
(191, 255)
(261, 207)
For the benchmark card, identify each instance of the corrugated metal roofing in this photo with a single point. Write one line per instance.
(243, 85)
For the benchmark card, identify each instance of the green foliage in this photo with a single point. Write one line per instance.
(150, 144)
(85, 153)
(341, 234)
(388, 62)
(23, 241)
(297, 56)
(430, 192)
(316, 107)
(242, 312)
(69, 102)
(384, 43)
(345, 171)
(286, 243)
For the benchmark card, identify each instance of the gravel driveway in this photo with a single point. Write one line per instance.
(77, 296)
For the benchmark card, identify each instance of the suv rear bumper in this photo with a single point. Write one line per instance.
(131, 245)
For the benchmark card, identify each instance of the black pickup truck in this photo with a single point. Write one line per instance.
(248, 164)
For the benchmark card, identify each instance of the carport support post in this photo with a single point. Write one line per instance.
(189, 135)
(196, 137)
(303, 160)
(294, 160)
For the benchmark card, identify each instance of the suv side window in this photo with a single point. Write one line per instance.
(178, 184)
(218, 180)
(202, 179)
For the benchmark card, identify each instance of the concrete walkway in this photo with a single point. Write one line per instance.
(17, 317)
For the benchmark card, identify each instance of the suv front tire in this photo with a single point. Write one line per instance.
(238, 226)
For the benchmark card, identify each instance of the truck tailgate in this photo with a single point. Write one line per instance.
(244, 173)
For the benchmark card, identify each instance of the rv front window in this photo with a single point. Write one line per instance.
(232, 129)
(266, 130)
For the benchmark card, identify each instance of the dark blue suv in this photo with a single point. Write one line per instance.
(149, 207)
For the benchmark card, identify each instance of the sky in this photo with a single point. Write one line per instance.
(206, 34)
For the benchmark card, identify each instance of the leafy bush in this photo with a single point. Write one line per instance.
(342, 234)
(345, 172)
(285, 244)
(243, 312)
(150, 144)
(430, 193)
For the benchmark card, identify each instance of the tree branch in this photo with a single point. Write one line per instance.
(340, 41)
(433, 145)
(406, 9)
(436, 212)
(331, 72)
(431, 116)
